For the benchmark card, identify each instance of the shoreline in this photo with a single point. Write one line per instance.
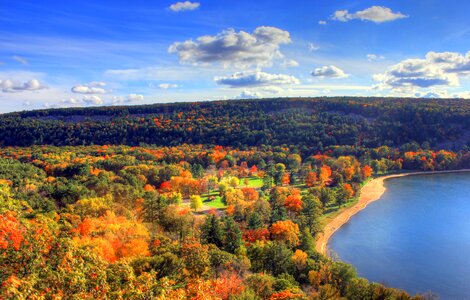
(370, 192)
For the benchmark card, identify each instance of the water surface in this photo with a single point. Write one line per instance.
(416, 237)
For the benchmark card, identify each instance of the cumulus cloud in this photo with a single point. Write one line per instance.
(20, 59)
(374, 57)
(230, 48)
(321, 22)
(329, 72)
(376, 14)
(92, 100)
(90, 88)
(436, 69)
(256, 78)
(184, 6)
(127, 99)
(10, 86)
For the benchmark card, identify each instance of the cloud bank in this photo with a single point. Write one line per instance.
(256, 78)
(436, 69)
(90, 88)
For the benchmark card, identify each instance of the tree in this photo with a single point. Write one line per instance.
(366, 171)
(277, 259)
(268, 183)
(255, 221)
(311, 179)
(286, 231)
(196, 259)
(325, 175)
(310, 214)
(345, 193)
(211, 231)
(293, 162)
(307, 242)
(195, 202)
(300, 259)
(232, 235)
(293, 202)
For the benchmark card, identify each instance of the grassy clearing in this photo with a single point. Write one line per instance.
(216, 203)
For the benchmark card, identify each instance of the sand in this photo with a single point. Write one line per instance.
(371, 192)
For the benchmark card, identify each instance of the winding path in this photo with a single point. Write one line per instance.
(371, 192)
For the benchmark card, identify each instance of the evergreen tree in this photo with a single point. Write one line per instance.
(255, 221)
(311, 211)
(232, 235)
(212, 231)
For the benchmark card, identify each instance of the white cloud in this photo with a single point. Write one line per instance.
(376, 14)
(312, 47)
(90, 88)
(10, 86)
(127, 99)
(249, 95)
(230, 48)
(289, 63)
(184, 6)
(374, 57)
(20, 59)
(329, 72)
(166, 86)
(256, 78)
(436, 69)
(92, 100)
(321, 22)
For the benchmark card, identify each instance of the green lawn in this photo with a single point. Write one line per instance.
(255, 182)
(216, 203)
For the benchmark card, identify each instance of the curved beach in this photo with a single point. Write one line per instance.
(371, 192)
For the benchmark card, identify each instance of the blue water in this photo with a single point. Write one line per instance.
(416, 238)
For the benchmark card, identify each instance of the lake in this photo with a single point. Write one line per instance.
(416, 237)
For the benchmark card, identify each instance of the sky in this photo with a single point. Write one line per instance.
(93, 53)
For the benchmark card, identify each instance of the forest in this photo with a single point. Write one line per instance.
(318, 123)
(209, 200)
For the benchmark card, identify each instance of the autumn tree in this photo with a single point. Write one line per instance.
(325, 175)
(293, 202)
(286, 231)
(311, 179)
(195, 202)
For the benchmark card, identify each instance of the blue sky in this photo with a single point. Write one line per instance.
(86, 53)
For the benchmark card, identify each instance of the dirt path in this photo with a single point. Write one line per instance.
(371, 192)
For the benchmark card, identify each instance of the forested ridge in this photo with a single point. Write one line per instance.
(311, 124)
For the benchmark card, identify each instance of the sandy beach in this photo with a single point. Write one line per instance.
(371, 192)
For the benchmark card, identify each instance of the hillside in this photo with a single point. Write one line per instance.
(309, 124)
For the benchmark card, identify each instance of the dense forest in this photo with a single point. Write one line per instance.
(309, 124)
(210, 200)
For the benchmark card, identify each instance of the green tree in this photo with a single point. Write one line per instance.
(232, 235)
(211, 231)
